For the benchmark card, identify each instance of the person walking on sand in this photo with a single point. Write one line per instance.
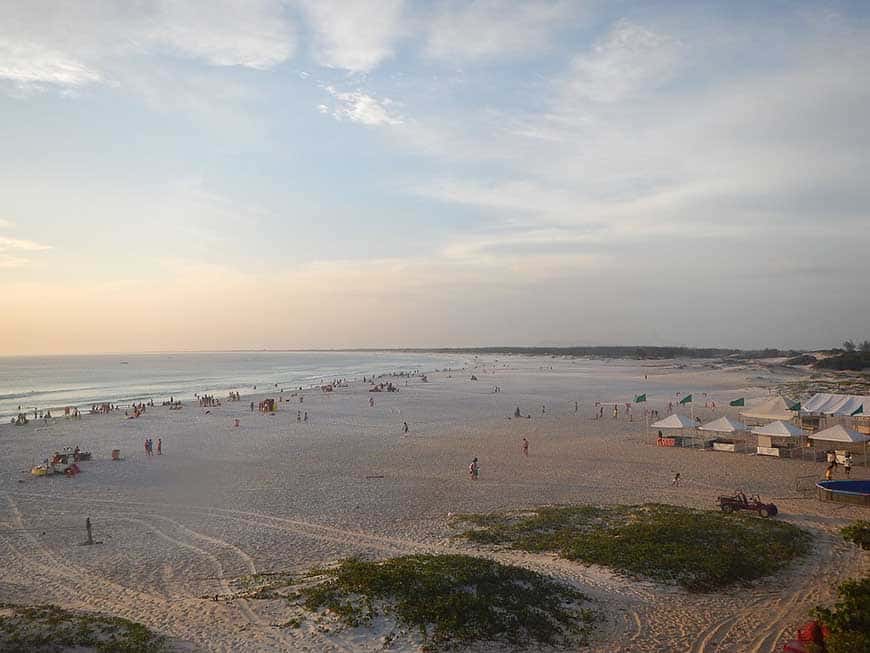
(829, 471)
(474, 470)
(159, 446)
(676, 481)
(371, 402)
(525, 447)
(404, 427)
(576, 407)
(252, 406)
(847, 464)
(298, 415)
(305, 419)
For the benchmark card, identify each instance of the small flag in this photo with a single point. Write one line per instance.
(795, 406)
(640, 399)
(686, 400)
(858, 411)
(738, 402)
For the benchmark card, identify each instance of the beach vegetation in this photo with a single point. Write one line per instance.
(451, 600)
(848, 619)
(48, 628)
(700, 550)
(857, 532)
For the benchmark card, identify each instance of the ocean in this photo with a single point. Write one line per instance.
(57, 381)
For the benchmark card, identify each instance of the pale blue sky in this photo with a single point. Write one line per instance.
(291, 173)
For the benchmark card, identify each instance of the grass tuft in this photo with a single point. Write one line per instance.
(454, 599)
(700, 550)
(47, 628)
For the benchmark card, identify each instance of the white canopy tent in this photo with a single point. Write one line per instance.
(726, 425)
(723, 425)
(775, 408)
(830, 404)
(778, 429)
(675, 421)
(840, 435)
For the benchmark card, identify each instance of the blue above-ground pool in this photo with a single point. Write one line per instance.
(844, 491)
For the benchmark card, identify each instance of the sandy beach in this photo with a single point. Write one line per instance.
(274, 494)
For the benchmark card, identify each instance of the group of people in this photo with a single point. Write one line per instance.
(207, 401)
(832, 465)
(149, 447)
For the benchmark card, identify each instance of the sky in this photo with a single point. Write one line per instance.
(230, 174)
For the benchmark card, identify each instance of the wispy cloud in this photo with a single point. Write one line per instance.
(12, 248)
(31, 64)
(629, 60)
(486, 29)
(362, 108)
(355, 35)
(70, 45)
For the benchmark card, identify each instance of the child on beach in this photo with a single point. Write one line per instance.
(474, 470)
(847, 464)
(676, 481)
(525, 447)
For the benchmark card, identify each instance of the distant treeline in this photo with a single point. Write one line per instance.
(636, 352)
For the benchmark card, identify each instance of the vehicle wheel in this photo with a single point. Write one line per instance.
(727, 507)
(764, 512)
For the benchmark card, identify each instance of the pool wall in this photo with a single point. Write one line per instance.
(855, 492)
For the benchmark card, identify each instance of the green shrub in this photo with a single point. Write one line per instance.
(454, 599)
(849, 618)
(859, 533)
(700, 550)
(47, 628)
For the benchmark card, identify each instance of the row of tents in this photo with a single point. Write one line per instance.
(779, 413)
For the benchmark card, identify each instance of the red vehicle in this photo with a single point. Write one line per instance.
(753, 503)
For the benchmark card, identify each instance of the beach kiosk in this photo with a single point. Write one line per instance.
(778, 438)
(841, 439)
(675, 423)
(730, 430)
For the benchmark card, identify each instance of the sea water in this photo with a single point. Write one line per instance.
(53, 382)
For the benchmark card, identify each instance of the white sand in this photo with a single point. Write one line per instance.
(275, 495)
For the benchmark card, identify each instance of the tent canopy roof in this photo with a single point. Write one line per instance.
(831, 404)
(839, 433)
(674, 422)
(779, 429)
(723, 425)
(773, 408)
